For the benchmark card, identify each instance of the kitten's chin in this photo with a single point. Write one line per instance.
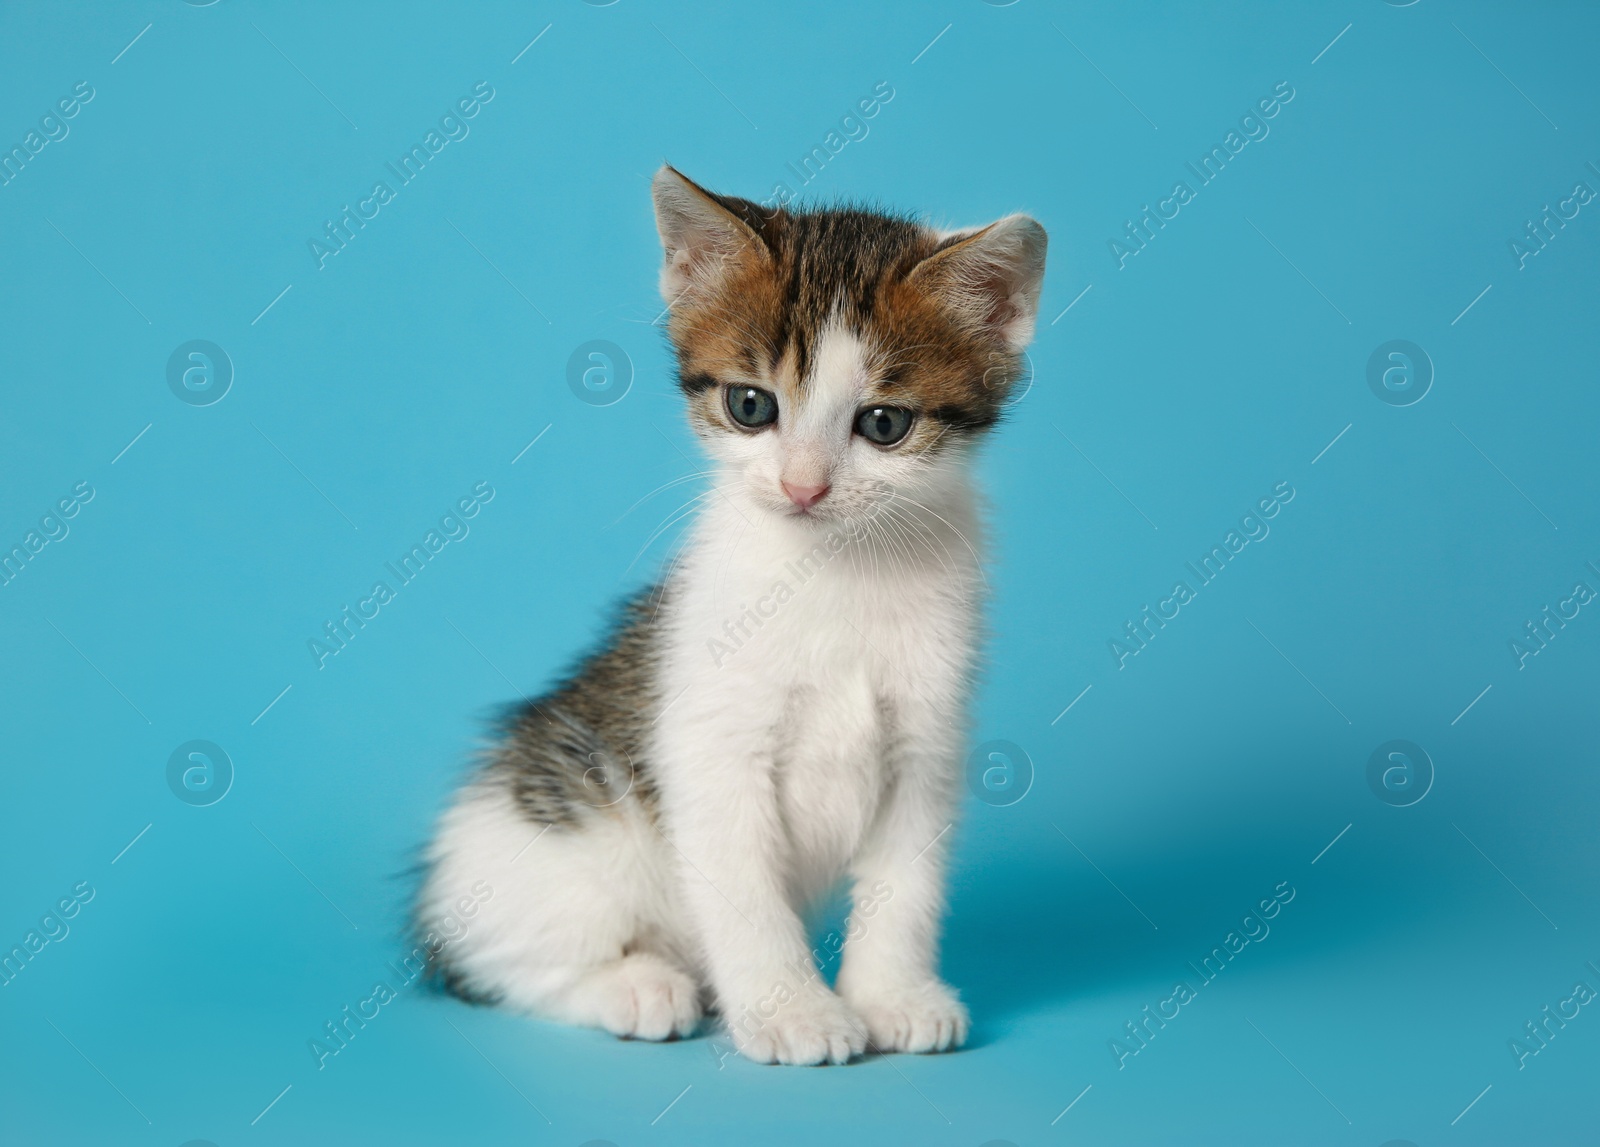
(812, 519)
(817, 519)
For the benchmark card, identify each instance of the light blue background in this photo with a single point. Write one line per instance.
(429, 353)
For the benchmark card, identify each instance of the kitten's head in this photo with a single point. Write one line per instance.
(829, 356)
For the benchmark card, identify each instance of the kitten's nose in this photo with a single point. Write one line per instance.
(805, 496)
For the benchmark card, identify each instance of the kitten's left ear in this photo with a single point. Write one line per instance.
(990, 278)
(700, 235)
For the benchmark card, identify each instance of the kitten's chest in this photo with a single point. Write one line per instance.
(831, 770)
(839, 618)
(821, 665)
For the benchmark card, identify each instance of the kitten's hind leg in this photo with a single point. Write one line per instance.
(640, 996)
(568, 921)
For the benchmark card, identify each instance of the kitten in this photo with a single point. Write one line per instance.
(785, 708)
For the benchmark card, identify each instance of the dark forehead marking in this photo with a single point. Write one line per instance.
(834, 260)
(851, 263)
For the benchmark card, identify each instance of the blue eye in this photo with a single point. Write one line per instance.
(752, 407)
(884, 425)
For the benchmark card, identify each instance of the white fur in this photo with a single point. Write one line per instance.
(825, 743)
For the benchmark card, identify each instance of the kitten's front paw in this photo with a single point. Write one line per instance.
(813, 1027)
(927, 1017)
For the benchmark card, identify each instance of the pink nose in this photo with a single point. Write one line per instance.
(805, 496)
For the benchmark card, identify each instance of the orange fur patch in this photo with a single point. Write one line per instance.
(757, 322)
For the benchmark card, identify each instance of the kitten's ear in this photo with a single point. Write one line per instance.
(990, 278)
(699, 235)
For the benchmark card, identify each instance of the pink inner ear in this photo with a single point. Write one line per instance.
(983, 291)
(700, 234)
(993, 294)
(702, 253)
(988, 276)
(684, 260)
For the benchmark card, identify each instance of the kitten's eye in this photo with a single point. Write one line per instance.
(751, 406)
(884, 425)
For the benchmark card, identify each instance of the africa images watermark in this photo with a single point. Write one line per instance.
(1141, 631)
(338, 1033)
(1537, 1034)
(744, 625)
(52, 528)
(1537, 234)
(1253, 929)
(53, 928)
(53, 128)
(337, 233)
(1137, 233)
(338, 633)
(1538, 633)
(852, 128)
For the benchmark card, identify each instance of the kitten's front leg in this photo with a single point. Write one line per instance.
(720, 804)
(889, 969)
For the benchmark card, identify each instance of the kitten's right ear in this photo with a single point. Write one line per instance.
(699, 236)
(990, 277)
